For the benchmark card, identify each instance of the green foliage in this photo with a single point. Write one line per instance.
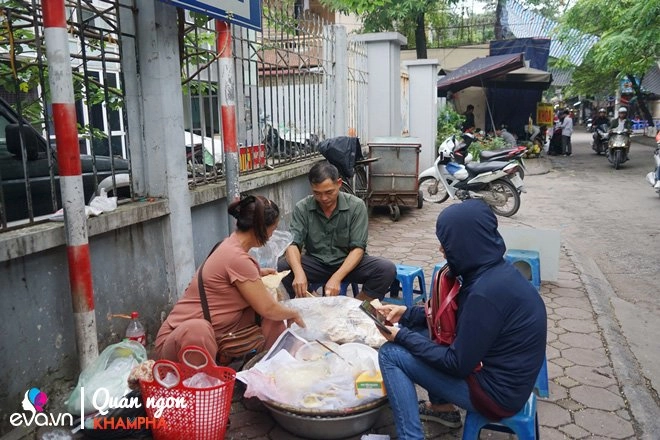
(629, 32)
(485, 144)
(449, 123)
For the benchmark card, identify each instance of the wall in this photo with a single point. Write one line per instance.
(450, 58)
(131, 271)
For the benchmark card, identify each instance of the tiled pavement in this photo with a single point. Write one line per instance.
(585, 399)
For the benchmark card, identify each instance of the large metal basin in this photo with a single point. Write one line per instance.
(322, 427)
(323, 424)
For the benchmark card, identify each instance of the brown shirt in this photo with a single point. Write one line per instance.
(228, 264)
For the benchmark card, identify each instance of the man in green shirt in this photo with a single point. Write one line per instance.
(330, 226)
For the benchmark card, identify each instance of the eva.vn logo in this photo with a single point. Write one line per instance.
(33, 406)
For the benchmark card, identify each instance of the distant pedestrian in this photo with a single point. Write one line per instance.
(566, 124)
(468, 125)
(508, 138)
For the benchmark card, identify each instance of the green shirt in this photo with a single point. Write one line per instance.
(329, 240)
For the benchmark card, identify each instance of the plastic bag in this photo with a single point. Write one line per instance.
(104, 203)
(338, 318)
(268, 254)
(202, 380)
(109, 372)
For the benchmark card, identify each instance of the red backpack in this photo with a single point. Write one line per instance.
(441, 307)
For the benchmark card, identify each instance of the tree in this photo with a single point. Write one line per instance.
(392, 15)
(629, 42)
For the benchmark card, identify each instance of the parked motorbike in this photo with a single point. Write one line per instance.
(507, 154)
(494, 182)
(618, 147)
(285, 143)
(601, 139)
(654, 176)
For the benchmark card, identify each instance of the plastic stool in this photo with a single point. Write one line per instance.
(531, 259)
(524, 424)
(405, 278)
(436, 269)
(541, 384)
(343, 289)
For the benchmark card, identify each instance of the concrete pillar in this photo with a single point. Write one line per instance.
(423, 113)
(384, 91)
(160, 147)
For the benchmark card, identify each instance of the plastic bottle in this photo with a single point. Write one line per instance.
(135, 330)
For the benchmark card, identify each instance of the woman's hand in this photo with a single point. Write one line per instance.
(393, 331)
(267, 271)
(296, 318)
(391, 312)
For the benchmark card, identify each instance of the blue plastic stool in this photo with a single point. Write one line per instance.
(436, 269)
(541, 384)
(531, 259)
(524, 424)
(405, 279)
(343, 289)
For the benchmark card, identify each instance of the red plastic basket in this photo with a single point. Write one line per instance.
(206, 410)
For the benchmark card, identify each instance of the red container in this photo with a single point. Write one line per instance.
(188, 413)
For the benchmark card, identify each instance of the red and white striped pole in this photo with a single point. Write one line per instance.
(68, 161)
(227, 93)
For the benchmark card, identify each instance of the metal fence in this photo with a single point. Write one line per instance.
(285, 82)
(283, 92)
(27, 135)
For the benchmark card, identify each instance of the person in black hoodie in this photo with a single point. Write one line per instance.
(501, 327)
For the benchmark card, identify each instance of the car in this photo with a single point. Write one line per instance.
(14, 185)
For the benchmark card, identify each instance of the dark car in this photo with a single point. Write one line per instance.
(14, 200)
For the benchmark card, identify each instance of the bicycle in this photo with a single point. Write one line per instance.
(358, 185)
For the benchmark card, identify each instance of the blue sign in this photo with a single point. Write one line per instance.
(245, 13)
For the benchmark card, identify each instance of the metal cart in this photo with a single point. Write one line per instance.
(393, 178)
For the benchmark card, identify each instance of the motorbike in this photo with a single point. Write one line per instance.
(590, 125)
(507, 154)
(618, 147)
(654, 176)
(495, 182)
(601, 139)
(285, 143)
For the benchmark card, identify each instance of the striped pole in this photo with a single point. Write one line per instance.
(228, 111)
(68, 161)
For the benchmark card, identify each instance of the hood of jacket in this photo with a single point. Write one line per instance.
(468, 233)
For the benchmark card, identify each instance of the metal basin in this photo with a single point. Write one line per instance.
(320, 427)
(323, 424)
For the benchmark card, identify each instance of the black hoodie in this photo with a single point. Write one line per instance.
(501, 317)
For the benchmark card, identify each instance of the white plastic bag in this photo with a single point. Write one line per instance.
(104, 203)
(109, 372)
(202, 380)
(268, 254)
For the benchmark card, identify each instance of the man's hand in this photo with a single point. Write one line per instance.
(300, 285)
(332, 287)
(391, 312)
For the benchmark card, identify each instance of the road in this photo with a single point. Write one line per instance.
(610, 217)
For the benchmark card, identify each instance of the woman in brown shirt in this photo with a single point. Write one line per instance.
(233, 286)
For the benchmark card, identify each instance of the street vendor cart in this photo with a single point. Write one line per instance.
(393, 178)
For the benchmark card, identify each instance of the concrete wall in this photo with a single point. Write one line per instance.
(130, 269)
(450, 58)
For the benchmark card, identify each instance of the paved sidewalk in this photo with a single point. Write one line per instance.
(585, 395)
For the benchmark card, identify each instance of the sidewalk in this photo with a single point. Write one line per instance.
(585, 398)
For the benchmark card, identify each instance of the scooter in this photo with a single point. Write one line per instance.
(285, 143)
(654, 176)
(601, 139)
(495, 182)
(618, 147)
(507, 154)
